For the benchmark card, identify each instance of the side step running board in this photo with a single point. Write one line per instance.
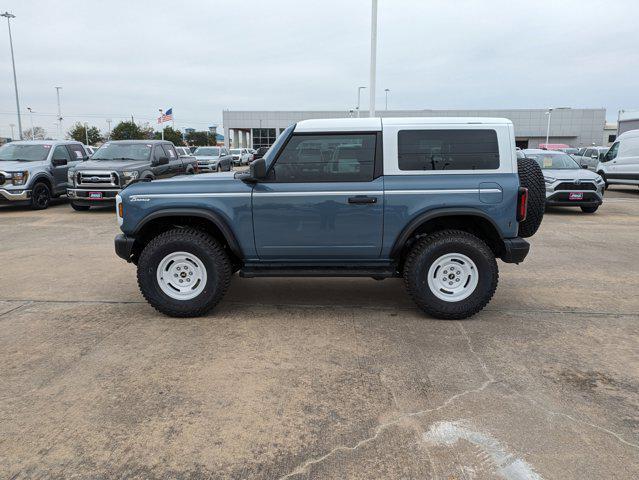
(252, 271)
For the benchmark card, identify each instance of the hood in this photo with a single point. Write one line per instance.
(117, 165)
(206, 157)
(208, 177)
(190, 184)
(11, 166)
(572, 174)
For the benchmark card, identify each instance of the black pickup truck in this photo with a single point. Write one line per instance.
(118, 163)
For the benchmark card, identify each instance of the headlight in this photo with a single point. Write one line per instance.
(599, 179)
(550, 179)
(70, 176)
(19, 178)
(130, 176)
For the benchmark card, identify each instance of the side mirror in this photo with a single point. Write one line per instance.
(585, 166)
(59, 162)
(160, 161)
(258, 169)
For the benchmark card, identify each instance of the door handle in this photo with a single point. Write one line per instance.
(361, 199)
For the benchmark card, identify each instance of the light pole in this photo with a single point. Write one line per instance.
(549, 113)
(108, 129)
(86, 132)
(9, 16)
(12, 126)
(57, 91)
(387, 91)
(371, 105)
(31, 117)
(359, 97)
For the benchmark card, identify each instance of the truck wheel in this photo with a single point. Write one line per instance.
(40, 196)
(531, 177)
(451, 274)
(590, 209)
(79, 208)
(183, 272)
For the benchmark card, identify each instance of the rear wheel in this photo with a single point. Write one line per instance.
(451, 274)
(40, 196)
(590, 209)
(531, 177)
(183, 272)
(218, 168)
(79, 208)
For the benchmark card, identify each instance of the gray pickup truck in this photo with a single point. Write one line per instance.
(118, 163)
(33, 172)
(434, 201)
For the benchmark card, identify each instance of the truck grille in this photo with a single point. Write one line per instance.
(97, 179)
(576, 186)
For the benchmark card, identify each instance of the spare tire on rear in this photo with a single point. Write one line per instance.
(531, 177)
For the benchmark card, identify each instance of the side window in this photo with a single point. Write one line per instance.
(170, 152)
(77, 151)
(61, 152)
(327, 158)
(159, 152)
(588, 152)
(420, 150)
(612, 153)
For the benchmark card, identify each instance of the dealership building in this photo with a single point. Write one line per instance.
(573, 126)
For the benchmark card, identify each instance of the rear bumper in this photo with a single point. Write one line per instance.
(515, 250)
(124, 247)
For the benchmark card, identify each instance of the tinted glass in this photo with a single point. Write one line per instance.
(24, 153)
(170, 153)
(207, 151)
(61, 152)
(448, 150)
(612, 153)
(327, 158)
(76, 151)
(123, 151)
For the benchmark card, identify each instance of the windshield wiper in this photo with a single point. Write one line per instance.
(115, 158)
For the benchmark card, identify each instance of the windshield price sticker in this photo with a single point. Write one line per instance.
(547, 162)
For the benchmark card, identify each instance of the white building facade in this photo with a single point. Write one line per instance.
(576, 127)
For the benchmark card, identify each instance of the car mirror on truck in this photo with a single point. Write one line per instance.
(258, 169)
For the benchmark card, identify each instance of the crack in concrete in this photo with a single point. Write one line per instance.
(14, 309)
(380, 428)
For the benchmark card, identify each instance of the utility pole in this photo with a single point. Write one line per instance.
(57, 91)
(9, 16)
(371, 105)
(108, 128)
(359, 96)
(86, 132)
(31, 116)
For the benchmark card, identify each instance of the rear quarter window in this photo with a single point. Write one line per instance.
(420, 150)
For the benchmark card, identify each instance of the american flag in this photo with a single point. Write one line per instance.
(166, 116)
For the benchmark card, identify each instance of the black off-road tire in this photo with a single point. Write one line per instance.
(79, 208)
(590, 209)
(531, 177)
(40, 196)
(603, 175)
(430, 248)
(207, 249)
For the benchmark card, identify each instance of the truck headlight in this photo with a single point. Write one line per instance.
(599, 180)
(19, 178)
(70, 176)
(130, 176)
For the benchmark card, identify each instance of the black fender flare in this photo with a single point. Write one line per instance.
(48, 178)
(209, 215)
(424, 217)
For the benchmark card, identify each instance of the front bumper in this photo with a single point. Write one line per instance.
(15, 196)
(124, 247)
(562, 199)
(515, 250)
(82, 196)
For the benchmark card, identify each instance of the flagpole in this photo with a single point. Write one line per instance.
(162, 123)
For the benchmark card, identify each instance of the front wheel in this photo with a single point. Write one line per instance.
(40, 196)
(590, 209)
(603, 176)
(184, 272)
(451, 274)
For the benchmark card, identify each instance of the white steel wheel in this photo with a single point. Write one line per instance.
(181, 275)
(453, 277)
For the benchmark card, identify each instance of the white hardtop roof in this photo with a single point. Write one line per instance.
(375, 124)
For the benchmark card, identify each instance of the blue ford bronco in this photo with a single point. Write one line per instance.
(431, 200)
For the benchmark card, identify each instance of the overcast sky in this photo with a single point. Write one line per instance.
(119, 58)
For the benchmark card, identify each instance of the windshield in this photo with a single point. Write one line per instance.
(235, 151)
(270, 154)
(559, 161)
(24, 153)
(207, 151)
(123, 151)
